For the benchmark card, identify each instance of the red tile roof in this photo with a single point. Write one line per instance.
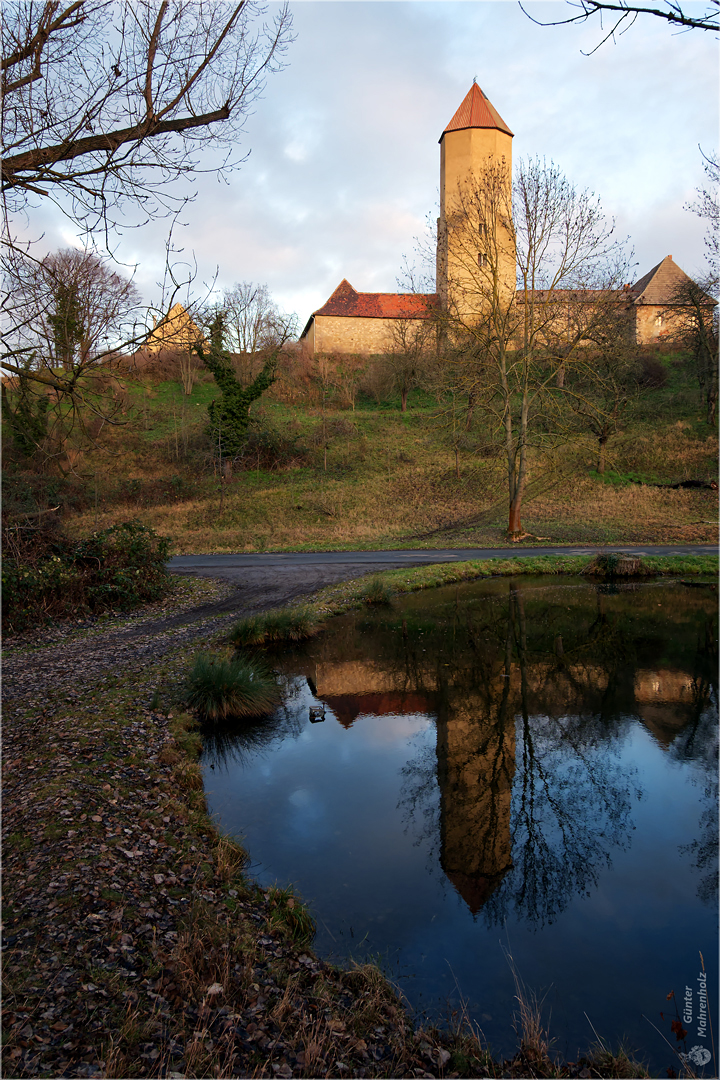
(345, 301)
(476, 112)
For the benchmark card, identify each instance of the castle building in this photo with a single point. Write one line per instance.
(475, 182)
(475, 168)
(175, 331)
(362, 323)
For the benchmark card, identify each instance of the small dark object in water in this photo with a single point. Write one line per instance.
(317, 714)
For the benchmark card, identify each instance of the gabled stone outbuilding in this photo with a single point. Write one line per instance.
(355, 322)
(653, 297)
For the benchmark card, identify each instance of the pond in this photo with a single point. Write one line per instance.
(512, 774)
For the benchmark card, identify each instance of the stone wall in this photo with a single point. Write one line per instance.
(652, 324)
(337, 334)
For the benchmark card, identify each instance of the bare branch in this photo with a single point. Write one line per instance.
(673, 13)
(33, 47)
(107, 103)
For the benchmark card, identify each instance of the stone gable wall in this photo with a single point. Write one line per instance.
(341, 334)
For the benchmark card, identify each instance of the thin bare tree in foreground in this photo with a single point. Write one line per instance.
(104, 106)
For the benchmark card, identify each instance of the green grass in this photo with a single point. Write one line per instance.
(271, 627)
(387, 480)
(219, 688)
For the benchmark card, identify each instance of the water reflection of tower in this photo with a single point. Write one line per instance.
(476, 765)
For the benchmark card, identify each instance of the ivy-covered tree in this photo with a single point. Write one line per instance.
(66, 324)
(229, 414)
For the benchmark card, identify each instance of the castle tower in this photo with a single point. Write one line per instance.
(474, 256)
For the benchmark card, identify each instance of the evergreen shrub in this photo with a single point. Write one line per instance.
(47, 576)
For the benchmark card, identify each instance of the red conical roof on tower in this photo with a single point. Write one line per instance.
(476, 112)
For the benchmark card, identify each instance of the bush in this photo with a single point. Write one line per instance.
(268, 449)
(46, 576)
(218, 688)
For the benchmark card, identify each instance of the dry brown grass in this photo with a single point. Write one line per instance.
(376, 514)
(388, 479)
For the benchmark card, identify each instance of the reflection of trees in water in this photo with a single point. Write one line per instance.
(419, 798)
(237, 741)
(698, 744)
(571, 806)
(572, 803)
(531, 804)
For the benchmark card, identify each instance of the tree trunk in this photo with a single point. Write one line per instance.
(602, 442)
(470, 411)
(403, 399)
(514, 524)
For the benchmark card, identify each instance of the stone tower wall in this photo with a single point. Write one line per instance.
(465, 157)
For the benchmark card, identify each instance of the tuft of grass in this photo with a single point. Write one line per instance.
(288, 913)
(378, 593)
(270, 627)
(230, 859)
(615, 565)
(601, 1061)
(218, 687)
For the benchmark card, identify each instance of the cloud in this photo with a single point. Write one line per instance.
(344, 159)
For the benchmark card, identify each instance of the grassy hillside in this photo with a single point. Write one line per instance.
(334, 477)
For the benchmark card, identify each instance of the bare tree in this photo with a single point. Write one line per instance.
(252, 324)
(74, 307)
(604, 381)
(409, 354)
(106, 103)
(72, 315)
(509, 349)
(623, 15)
(707, 206)
(692, 320)
(692, 314)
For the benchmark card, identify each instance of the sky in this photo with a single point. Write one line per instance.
(343, 165)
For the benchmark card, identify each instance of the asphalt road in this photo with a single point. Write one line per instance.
(218, 565)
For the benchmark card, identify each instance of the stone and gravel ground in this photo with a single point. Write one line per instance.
(133, 943)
